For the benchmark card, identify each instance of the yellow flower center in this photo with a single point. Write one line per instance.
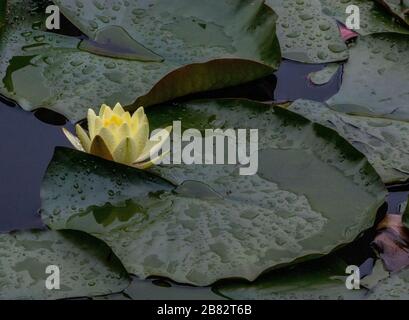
(115, 120)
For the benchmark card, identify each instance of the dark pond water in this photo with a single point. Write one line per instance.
(26, 147)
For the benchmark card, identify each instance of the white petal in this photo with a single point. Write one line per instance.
(73, 139)
(83, 137)
(148, 164)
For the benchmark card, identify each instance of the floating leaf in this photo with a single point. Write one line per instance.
(384, 142)
(168, 51)
(313, 192)
(393, 288)
(307, 35)
(325, 75)
(375, 77)
(86, 265)
(372, 18)
(320, 279)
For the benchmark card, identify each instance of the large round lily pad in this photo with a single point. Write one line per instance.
(138, 52)
(385, 142)
(306, 34)
(312, 193)
(375, 77)
(86, 265)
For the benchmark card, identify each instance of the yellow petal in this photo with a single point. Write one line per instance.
(154, 144)
(118, 109)
(91, 122)
(123, 131)
(83, 136)
(137, 117)
(108, 138)
(148, 164)
(97, 127)
(100, 149)
(141, 138)
(73, 139)
(107, 113)
(125, 152)
(126, 117)
(102, 109)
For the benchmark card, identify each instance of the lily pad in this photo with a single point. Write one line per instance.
(375, 78)
(373, 19)
(325, 75)
(393, 288)
(321, 279)
(312, 193)
(86, 265)
(399, 8)
(138, 52)
(384, 142)
(306, 34)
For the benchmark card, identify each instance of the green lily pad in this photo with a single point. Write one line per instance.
(312, 193)
(373, 19)
(306, 34)
(325, 75)
(321, 279)
(399, 8)
(375, 78)
(384, 142)
(86, 265)
(138, 53)
(393, 288)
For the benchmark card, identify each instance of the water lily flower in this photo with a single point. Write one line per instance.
(117, 136)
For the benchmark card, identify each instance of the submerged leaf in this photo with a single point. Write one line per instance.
(189, 46)
(312, 193)
(86, 265)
